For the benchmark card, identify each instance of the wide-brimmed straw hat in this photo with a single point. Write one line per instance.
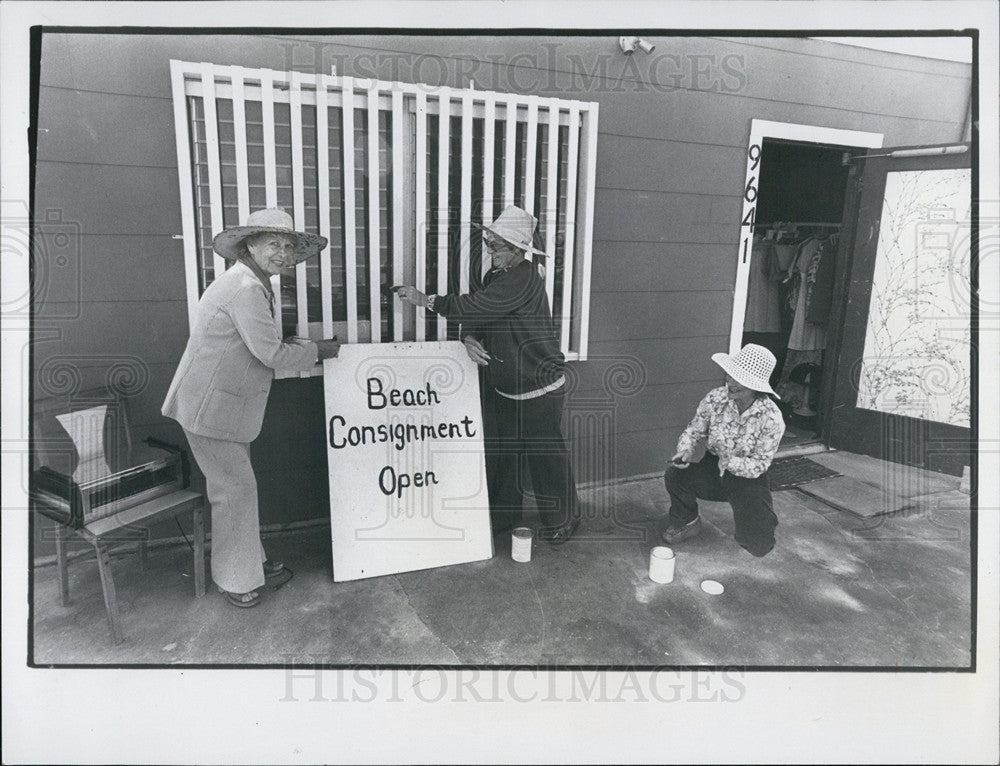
(751, 367)
(229, 243)
(516, 226)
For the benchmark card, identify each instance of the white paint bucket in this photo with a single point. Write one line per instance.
(661, 564)
(520, 544)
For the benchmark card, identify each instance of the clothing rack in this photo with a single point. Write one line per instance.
(798, 224)
(795, 228)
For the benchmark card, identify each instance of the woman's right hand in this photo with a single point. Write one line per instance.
(328, 349)
(476, 351)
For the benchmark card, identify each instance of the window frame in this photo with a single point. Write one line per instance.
(403, 102)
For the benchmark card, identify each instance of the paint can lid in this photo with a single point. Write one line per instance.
(712, 587)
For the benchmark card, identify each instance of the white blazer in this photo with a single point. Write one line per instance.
(221, 385)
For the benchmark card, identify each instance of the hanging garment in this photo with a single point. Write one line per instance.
(784, 259)
(790, 284)
(805, 336)
(809, 278)
(820, 298)
(782, 270)
(762, 312)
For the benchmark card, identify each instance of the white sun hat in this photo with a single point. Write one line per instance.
(751, 367)
(516, 226)
(229, 243)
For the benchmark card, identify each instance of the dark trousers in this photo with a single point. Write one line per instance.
(524, 438)
(753, 513)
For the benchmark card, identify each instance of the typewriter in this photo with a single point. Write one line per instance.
(86, 466)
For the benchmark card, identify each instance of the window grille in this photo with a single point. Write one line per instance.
(393, 182)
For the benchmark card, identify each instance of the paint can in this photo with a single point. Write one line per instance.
(661, 564)
(520, 544)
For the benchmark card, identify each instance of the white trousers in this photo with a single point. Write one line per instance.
(237, 551)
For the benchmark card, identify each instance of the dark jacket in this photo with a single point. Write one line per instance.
(510, 315)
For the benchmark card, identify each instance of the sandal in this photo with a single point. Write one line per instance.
(243, 600)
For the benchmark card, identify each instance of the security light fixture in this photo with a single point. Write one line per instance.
(629, 44)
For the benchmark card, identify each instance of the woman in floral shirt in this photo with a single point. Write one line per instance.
(741, 428)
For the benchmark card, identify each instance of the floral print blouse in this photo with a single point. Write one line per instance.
(744, 443)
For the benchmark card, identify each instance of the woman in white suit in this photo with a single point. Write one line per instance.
(220, 389)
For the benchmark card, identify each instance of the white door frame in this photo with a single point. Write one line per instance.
(759, 130)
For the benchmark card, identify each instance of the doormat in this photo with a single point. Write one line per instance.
(848, 494)
(788, 472)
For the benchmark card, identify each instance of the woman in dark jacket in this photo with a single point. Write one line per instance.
(507, 328)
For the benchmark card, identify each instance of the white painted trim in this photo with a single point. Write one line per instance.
(240, 139)
(398, 205)
(337, 83)
(374, 222)
(531, 152)
(551, 201)
(253, 92)
(465, 211)
(271, 176)
(421, 224)
(569, 232)
(441, 214)
(489, 139)
(587, 222)
(298, 89)
(350, 239)
(510, 152)
(323, 200)
(298, 208)
(212, 160)
(183, 141)
(270, 160)
(759, 130)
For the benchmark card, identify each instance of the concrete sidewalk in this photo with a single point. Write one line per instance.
(837, 591)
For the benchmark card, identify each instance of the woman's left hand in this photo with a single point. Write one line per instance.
(477, 351)
(681, 460)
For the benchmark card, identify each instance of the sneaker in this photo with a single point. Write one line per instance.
(675, 531)
(273, 568)
(276, 574)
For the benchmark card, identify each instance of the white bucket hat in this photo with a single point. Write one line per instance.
(229, 243)
(751, 367)
(515, 226)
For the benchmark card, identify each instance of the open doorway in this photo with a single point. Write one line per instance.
(795, 174)
(796, 247)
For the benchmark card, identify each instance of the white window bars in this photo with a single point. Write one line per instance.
(396, 201)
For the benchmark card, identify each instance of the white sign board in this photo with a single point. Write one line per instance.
(405, 455)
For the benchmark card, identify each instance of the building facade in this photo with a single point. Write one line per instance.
(669, 196)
